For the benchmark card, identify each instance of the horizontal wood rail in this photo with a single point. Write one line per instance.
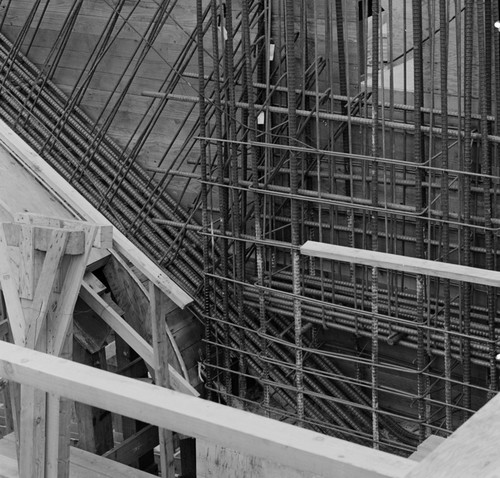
(472, 450)
(242, 431)
(396, 262)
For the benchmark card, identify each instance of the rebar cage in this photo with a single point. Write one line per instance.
(370, 123)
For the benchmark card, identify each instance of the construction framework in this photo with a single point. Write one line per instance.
(370, 124)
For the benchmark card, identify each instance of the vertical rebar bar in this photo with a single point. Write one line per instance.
(419, 157)
(374, 220)
(295, 204)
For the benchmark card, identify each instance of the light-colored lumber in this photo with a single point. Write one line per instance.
(17, 236)
(248, 433)
(122, 277)
(47, 316)
(20, 192)
(471, 451)
(94, 283)
(35, 315)
(63, 190)
(401, 263)
(135, 446)
(162, 375)
(426, 447)
(32, 432)
(26, 243)
(59, 326)
(97, 259)
(216, 461)
(10, 292)
(88, 465)
(52, 436)
(104, 233)
(8, 467)
(95, 427)
(129, 335)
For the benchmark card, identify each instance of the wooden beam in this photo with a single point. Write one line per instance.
(26, 243)
(97, 259)
(121, 277)
(162, 375)
(32, 432)
(129, 335)
(472, 450)
(59, 326)
(104, 234)
(11, 293)
(94, 282)
(17, 236)
(246, 432)
(21, 151)
(95, 427)
(53, 425)
(135, 446)
(36, 314)
(215, 460)
(401, 263)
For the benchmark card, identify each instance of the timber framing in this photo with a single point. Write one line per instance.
(248, 433)
(258, 436)
(75, 202)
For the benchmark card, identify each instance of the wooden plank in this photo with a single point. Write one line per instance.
(14, 198)
(94, 283)
(217, 461)
(8, 408)
(88, 465)
(26, 245)
(32, 432)
(95, 427)
(97, 259)
(15, 402)
(63, 190)
(104, 234)
(472, 450)
(8, 467)
(130, 291)
(135, 446)
(52, 436)
(299, 448)
(88, 328)
(36, 314)
(162, 375)
(401, 263)
(65, 411)
(59, 326)
(42, 238)
(129, 335)
(10, 293)
(428, 445)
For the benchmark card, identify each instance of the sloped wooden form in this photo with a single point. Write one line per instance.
(68, 292)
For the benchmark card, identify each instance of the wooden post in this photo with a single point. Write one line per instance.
(94, 424)
(162, 376)
(40, 314)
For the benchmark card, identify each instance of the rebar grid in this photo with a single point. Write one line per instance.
(315, 121)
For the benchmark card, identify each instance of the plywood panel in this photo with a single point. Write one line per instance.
(13, 198)
(214, 461)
